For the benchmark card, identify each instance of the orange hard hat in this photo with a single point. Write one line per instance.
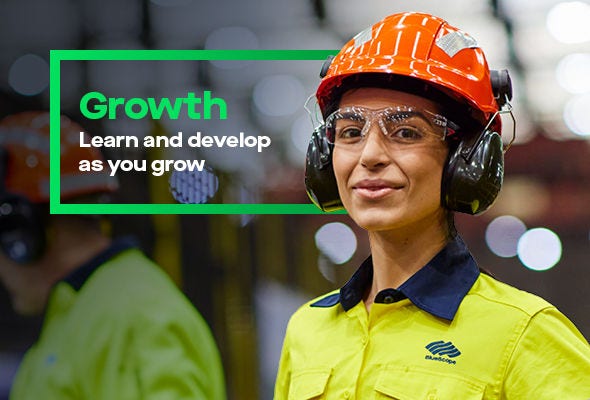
(419, 46)
(25, 139)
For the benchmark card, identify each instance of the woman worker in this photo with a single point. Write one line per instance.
(411, 135)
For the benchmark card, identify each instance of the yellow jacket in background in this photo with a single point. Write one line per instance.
(118, 329)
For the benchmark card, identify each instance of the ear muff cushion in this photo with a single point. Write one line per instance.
(320, 181)
(22, 234)
(473, 175)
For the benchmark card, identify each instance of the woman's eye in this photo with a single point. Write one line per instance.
(407, 134)
(348, 133)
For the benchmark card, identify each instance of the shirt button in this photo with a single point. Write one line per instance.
(364, 340)
(388, 299)
(347, 395)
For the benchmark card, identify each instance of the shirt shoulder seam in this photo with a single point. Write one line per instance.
(531, 303)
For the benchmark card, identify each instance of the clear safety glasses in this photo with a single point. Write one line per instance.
(402, 126)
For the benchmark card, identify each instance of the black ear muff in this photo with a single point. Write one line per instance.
(473, 174)
(22, 233)
(320, 181)
(501, 86)
(474, 171)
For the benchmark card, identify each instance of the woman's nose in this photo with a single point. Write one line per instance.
(374, 152)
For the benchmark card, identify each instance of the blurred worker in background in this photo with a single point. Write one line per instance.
(115, 325)
(410, 135)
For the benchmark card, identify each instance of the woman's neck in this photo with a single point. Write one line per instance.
(399, 254)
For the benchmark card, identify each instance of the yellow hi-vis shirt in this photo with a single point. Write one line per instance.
(119, 329)
(448, 332)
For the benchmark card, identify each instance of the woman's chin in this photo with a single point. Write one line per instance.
(376, 219)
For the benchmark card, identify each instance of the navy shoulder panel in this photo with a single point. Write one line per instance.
(328, 301)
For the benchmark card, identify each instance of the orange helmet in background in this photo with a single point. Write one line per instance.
(420, 46)
(24, 180)
(25, 139)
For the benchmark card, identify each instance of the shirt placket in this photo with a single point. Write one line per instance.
(360, 319)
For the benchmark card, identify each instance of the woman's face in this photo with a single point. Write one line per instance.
(391, 182)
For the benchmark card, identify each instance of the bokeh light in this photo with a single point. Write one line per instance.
(29, 75)
(336, 241)
(576, 115)
(573, 73)
(502, 235)
(279, 95)
(299, 140)
(193, 187)
(539, 249)
(231, 37)
(568, 22)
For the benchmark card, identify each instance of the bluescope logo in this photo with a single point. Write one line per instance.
(442, 351)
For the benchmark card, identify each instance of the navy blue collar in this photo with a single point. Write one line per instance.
(438, 287)
(80, 275)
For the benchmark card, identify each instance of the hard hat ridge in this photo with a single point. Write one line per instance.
(419, 46)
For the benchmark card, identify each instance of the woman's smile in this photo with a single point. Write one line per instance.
(375, 189)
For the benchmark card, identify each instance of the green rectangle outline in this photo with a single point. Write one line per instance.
(55, 58)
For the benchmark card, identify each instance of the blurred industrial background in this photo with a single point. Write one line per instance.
(248, 273)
